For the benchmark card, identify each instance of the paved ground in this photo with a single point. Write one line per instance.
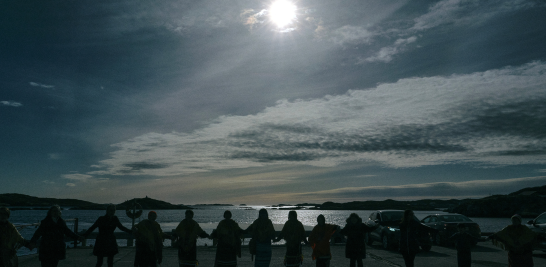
(484, 254)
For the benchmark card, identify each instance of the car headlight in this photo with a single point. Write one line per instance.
(392, 229)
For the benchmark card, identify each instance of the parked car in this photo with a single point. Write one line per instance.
(538, 225)
(446, 224)
(388, 231)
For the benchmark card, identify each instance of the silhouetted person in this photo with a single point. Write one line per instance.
(10, 240)
(293, 233)
(320, 241)
(355, 230)
(52, 231)
(187, 232)
(518, 240)
(106, 244)
(262, 232)
(409, 240)
(149, 242)
(463, 243)
(228, 235)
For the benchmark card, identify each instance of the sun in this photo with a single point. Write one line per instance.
(282, 13)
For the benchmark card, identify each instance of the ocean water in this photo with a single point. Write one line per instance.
(209, 216)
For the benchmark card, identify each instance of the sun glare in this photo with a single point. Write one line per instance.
(282, 13)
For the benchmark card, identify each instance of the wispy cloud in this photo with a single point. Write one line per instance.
(494, 118)
(42, 85)
(386, 53)
(48, 182)
(77, 177)
(459, 13)
(70, 184)
(11, 103)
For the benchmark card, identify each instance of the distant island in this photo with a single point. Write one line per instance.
(25, 202)
(528, 202)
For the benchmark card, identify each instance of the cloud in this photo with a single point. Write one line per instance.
(70, 184)
(386, 53)
(444, 190)
(54, 156)
(11, 103)
(465, 12)
(42, 85)
(487, 118)
(48, 182)
(460, 13)
(351, 34)
(77, 177)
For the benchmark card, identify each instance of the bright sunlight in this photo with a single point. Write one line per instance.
(282, 13)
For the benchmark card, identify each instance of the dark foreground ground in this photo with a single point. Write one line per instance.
(484, 254)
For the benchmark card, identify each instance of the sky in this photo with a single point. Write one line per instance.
(243, 101)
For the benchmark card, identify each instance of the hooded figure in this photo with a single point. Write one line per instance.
(262, 232)
(320, 241)
(228, 235)
(410, 228)
(187, 231)
(518, 240)
(355, 230)
(149, 242)
(293, 233)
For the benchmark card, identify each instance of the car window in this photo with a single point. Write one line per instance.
(433, 219)
(454, 218)
(372, 216)
(541, 219)
(426, 220)
(392, 216)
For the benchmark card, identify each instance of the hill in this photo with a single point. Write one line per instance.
(526, 205)
(30, 201)
(18, 201)
(425, 204)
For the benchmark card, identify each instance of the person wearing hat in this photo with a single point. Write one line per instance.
(149, 242)
(187, 232)
(518, 240)
(228, 236)
(10, 240)
(463, 243)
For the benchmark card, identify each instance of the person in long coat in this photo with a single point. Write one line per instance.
(355, 247)
(319, 239)
(263, 233)
(10, 240)
(149, 242)
(518, 239)
(409, 241)
(106, 244)
(228, 236)
(187, 232)
(293, 233)
(52, 231)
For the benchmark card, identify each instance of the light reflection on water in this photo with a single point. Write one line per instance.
(209, 216)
